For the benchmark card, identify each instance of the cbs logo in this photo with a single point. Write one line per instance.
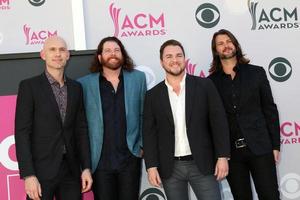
(290, 186)
(150, 76)
(5, 159)
(207, 15)
(36, 2)
(152, 194)
(280, 69)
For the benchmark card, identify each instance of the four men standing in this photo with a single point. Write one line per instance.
(184, 125)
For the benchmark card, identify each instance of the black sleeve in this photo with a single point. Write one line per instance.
(23, 129)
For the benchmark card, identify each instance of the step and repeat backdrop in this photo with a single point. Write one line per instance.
(268, 30)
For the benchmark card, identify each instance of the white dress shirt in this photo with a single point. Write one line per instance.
(182, 147)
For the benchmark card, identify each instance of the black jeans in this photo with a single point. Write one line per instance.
(262, 169)
(123, 184)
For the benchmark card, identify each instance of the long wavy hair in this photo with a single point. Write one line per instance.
(216, 64)
(96, 66)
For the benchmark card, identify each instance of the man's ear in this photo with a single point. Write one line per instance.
(68, 56)
(42, 54)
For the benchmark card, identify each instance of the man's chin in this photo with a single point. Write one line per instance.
(113, 67)
(175, 73)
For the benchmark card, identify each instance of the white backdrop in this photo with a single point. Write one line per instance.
(268, 31)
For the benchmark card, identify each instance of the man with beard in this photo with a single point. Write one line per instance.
(185, 134)
(252, 116)
(113, 98)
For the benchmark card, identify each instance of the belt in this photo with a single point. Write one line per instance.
(184, 158)
(240, 143)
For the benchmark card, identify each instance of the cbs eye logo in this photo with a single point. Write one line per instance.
(290, 186)
(207, 15)
(152, 194)
(36, 2)
(150, 76)
(280, 69)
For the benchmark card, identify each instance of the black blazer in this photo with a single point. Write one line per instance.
(206, 124)
(257, 115)
(40, 133)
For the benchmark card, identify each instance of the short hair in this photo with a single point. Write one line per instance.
(169, 43)
(96, 66)
(216, 62)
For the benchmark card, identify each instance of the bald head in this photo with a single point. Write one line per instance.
(54, 39)
(55, 53)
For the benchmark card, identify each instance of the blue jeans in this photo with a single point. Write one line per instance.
(205, 187)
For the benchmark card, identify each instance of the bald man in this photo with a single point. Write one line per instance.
(52, 143)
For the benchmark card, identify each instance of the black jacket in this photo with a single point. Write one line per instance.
(206, 126)
(257, 115)
(40, 133)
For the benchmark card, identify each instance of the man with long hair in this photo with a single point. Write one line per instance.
(113, 97)
(252, 116)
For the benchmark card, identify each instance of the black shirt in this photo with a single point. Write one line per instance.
(230, 92)
(115, 152)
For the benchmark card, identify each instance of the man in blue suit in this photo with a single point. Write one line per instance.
(113, 97)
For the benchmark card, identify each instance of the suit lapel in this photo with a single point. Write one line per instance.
(70, 97)
(166, 102)
(47, 90)
(95, 92)
(128, 85)
(189, 97)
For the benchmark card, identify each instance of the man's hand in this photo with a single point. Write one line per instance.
(86, 180)
(276, 154)
(153, 177)
(33, 188)
(221, 170)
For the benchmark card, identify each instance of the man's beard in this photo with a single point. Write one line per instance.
(114, 65)
(228, 56)
(175, 73)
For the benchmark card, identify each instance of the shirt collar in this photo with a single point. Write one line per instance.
(236, 69)
(51, 79)
(103, 77)
(182, 83)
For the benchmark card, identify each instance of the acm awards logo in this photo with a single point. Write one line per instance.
(36, 2)
(152, 194)
(290, 186)
(290, 133)
(207, 15)
(190, 68)
(138, 25)
(280, 69)
(36, 37)
(268, 18)
(5, 4)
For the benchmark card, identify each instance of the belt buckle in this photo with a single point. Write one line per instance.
(240, 143)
